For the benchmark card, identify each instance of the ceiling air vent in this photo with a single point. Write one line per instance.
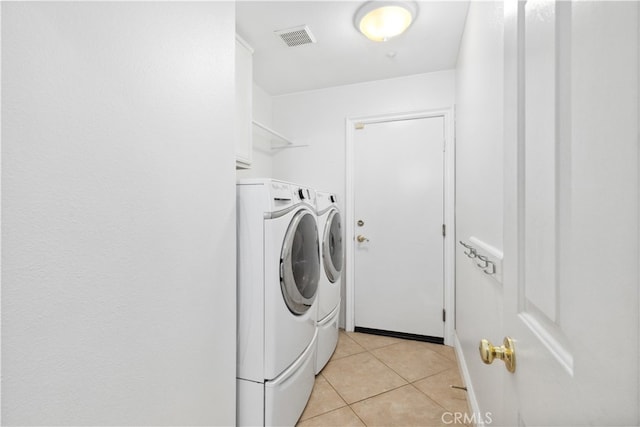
(296, 36)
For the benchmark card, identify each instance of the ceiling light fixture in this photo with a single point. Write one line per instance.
(381, 20)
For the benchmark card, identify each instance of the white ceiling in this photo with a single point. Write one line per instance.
(342, 55)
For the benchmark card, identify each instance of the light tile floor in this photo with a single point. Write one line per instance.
(373, 380)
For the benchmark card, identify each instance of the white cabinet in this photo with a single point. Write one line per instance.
(244, 104)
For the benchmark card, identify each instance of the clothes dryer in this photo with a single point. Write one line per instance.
(332, 254)
(278, 258)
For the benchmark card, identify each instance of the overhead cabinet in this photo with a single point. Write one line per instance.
(246, 129)
(244, 104)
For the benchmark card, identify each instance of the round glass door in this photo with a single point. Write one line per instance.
(300, 263)
(332, 254)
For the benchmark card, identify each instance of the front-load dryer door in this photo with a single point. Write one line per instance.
(332, 252)
(300, 263)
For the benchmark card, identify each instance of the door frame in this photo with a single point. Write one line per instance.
(447, 113)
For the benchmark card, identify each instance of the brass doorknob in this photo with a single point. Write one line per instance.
(506, 353)
(361, 239)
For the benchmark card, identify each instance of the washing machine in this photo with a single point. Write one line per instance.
(278, 272)
(332, 255)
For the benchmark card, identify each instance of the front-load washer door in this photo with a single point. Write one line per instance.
(332, 254)
(300, 263)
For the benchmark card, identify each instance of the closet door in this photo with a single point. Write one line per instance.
(571, 219)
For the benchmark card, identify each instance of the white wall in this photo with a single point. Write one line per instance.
(317, 119)
(262, 162)
(479, 189)
(118, 208)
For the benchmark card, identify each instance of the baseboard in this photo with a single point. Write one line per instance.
(403, 335)
(471, 395)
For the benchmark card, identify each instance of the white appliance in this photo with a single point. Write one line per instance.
(278, 258)
(331, 249)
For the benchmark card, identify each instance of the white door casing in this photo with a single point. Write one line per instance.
(571, 212)
(446, 117)
(399, 198)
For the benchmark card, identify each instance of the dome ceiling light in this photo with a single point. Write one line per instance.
(381, 20)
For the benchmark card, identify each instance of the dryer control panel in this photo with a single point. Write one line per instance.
(325, 201)
(284, 195)
(304, 194)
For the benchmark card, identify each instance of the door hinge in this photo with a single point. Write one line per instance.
(444, 315)
(444, 230)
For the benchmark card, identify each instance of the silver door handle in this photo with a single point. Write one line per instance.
(361, 238)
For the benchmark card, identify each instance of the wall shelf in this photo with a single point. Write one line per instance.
(277, 140)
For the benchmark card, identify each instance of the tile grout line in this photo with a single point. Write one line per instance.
(429, 376)
(336, 390)
(373, 395)
(382, 392)
(356, 414)
(346, 405)
(428, 397)
(406, 380)
(383, 362)
(412, 382)
(382, 346)
(370, 397)
(468, 409)
(347, 355)
(408, 383)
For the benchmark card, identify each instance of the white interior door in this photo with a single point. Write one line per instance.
(571, 200)
(398, 190)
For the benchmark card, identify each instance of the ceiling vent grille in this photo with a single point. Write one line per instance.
(296, 36)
